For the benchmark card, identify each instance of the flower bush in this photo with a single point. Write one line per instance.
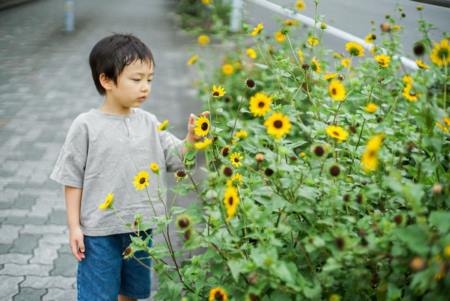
(208, 16)
(327, 174)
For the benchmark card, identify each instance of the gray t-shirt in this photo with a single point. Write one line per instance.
(102, 153)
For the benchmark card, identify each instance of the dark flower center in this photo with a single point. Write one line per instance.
(354, 51)
(261, 104)
(230, 200)
(141, 180)
(236, 159)
(372, 153)
(333, 91)
(204, 126)
(278, 124)
(218, 296)
(443, 53)
(335, 133)
(216, 93)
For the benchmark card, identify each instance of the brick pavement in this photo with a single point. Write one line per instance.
(44, 83)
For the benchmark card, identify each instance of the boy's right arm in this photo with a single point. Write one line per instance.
(76, 237)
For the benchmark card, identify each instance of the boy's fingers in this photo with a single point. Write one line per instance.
(73, 247)
(81, 246)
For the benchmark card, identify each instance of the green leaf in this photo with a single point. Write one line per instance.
(235, 268)
(441, 220)
(415, 238)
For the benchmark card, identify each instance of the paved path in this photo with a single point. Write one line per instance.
(44, 83)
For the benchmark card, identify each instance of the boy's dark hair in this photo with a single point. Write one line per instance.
(112, 54)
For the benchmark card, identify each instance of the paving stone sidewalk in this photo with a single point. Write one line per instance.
(44, 83)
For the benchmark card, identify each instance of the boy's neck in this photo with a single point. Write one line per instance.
(113, 107)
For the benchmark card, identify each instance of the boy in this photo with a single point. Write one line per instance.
(104, 149)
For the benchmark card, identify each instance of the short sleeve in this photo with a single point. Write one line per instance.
(172, 147)
(71, 162)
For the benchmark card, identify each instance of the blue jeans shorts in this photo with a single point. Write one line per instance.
(104, 274)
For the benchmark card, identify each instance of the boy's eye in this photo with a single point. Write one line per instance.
(136, 79)
(150, 80)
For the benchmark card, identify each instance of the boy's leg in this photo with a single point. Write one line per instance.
(98, 275)
(136, 275)
(125, 298)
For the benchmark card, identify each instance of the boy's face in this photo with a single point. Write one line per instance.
(133, 84)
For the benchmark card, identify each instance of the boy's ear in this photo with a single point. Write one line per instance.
(105, 82)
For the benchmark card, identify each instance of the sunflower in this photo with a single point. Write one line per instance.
(441, 126)
(354, 49)
(409, 92)
(141, 180)
(336, 90)
(345, 62)
(108, 202)
(260, 104)
(329, 76)
(300, 5)
(300, 55)
(207, 2)
(217, 294)
(290, 22)
(236, 180)
(257, 30)
(231, 201)
(202, 126)
(217, 91)
(227, 69)
(278, 125)
(192, 60)
(383, 60)
(279, 37)
(315, 65)
(407, 79)
(371, 108)
(203, 144)
(236, 159)
(369, 158)
(163, 125)
(422, 65)
(251, 53)
(203, 40)
(154, 167)
(440, 53)
(242, 134)
(337, 132)
(313, 41)
(370, 38)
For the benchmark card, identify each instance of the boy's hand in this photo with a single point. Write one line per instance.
(76, 239)
(191, 137)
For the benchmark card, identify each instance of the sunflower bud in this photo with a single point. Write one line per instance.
(346, 198)
(385, 27)
(259, 157)
(437, 189)
(183, 221)
(250, 83)
(227, 171)
(225, 151)
(335, 170)
(419, 49)
(252, 278)
(268, 172)
(398, 219)
(417, 264)
(180, 174)
(359, 198)
(319, 150)
(419, 7)
(187, 234)
(340, 243)
(305, 66)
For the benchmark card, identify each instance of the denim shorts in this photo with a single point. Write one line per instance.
(104, 274)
